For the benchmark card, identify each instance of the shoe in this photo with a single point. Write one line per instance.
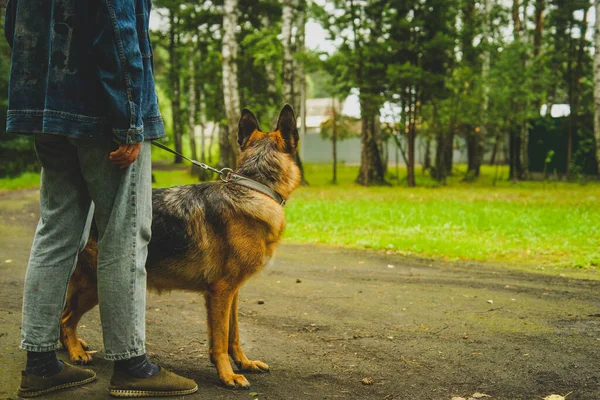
(162, 384)
(68, 377)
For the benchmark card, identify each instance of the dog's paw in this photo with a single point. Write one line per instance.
(253, 366)
(81, 357)
(236, 381)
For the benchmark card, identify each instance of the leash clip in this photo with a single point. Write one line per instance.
(225, 174)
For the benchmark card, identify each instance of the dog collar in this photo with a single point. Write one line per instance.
(257, 186)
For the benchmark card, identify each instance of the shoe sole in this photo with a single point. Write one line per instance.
(27, 394)
(149, 393)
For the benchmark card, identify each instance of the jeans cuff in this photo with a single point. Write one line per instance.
(125, 356)
(38, 348)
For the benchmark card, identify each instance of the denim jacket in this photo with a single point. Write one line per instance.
(82, 68)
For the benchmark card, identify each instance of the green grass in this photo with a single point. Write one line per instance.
(24, 181)
(541, 223)
(538, 223)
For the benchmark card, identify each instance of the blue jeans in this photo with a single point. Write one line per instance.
(78, 180)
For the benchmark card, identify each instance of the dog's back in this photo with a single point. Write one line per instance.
(201, 233)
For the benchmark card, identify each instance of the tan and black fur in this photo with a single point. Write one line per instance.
(208, 238)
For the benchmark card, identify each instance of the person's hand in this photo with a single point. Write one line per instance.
(125, 155)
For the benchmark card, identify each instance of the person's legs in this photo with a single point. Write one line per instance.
(64, 210)
(64, 207)
(123, 215)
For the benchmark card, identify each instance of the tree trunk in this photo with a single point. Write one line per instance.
(524, 175)
(334, 139)
(300, 76)
(485, 72)
(224, 147)
(410, 167)
(514, 153)
(293, 74)
(597, 83)
(371, 166)
(439, 172)
(450, 153)
(571, 92)
(269, 71)
(519, 134)
(288, 60)
(427, 160)
(474, 136)
(576, 76)
(540, 7)
(495, 150)
(192, 108)
(443, 156)
(203, 175)
(209, 150)
(412, 111)
(175, 85)
(474, 152)
(298, 48)
(230, 82)
(516, 20)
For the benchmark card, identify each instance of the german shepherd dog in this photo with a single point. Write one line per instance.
(208, 238)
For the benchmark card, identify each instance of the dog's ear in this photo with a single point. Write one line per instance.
(248, 124)
(286, 124)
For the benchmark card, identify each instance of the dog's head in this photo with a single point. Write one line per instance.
(269, 156)
(285, 137)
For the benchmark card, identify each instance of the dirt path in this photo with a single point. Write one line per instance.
(332, 317)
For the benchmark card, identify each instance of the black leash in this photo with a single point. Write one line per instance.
(227, 175)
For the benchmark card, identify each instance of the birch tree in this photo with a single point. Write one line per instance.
(174, 80)
(231, 97)
(292, 71)
(288, 59)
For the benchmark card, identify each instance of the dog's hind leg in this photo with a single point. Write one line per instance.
(235, 350)
(82, 296)
(219, 299)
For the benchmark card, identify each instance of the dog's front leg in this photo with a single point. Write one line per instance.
(235, 350)
(82, 296)
(218, 306)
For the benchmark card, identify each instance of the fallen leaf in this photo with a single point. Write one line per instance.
(458, 398)
(554, 397)
(367, 381)
(480, 395)
(253, 394)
